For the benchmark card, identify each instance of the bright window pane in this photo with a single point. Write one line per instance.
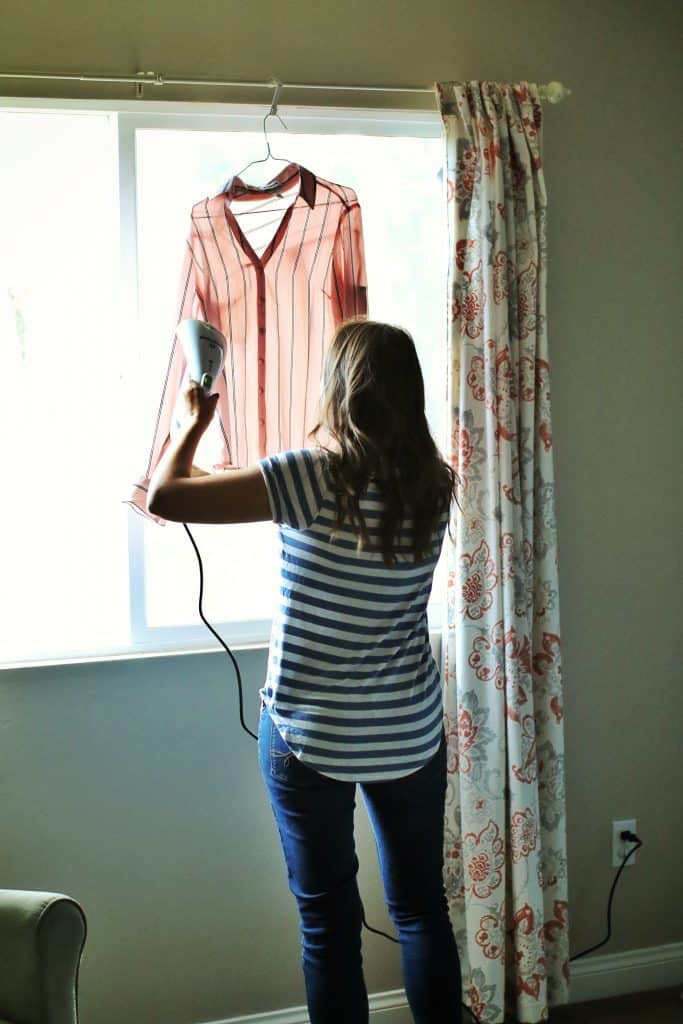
(64, 540)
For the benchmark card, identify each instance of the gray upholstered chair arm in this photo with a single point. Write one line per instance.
(42, 935)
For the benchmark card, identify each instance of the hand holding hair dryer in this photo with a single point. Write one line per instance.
(204, 347)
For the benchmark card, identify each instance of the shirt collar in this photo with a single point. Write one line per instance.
(307, 184)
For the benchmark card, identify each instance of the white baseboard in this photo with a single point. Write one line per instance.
(385, 1008)
(595, 977)
(617, 974)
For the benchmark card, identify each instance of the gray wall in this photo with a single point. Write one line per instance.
(130, 783)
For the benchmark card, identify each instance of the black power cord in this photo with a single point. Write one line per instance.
(625, 835)
(631, 838)
(220, 640)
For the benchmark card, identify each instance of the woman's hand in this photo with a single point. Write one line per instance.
(199, 407)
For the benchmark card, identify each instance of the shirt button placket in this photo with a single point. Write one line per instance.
(261, 306)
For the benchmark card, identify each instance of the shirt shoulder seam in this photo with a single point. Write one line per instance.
(322, 477)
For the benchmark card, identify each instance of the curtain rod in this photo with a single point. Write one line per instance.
(553, 91)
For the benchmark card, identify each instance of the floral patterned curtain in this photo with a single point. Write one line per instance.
(505, 864)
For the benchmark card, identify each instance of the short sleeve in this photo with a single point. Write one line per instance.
(350, 279)
(296, 483)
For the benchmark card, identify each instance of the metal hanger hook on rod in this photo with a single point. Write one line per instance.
(273, 113)
(269, 154)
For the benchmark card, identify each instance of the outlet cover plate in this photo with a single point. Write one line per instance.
(620, 847)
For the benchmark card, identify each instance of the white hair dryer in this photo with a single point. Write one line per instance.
(204, 347)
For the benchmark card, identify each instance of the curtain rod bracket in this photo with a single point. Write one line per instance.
(150, 78)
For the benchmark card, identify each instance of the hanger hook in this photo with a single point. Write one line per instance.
(273, 112)
(276, 96)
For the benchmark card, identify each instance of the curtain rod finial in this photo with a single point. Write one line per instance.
(554, 92)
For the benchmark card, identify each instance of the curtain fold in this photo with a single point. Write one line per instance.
(505, 856)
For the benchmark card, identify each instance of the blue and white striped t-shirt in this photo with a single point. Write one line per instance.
(352, 683)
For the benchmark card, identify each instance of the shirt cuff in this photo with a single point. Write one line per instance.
(138, 501)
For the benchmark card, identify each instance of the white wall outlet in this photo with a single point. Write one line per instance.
(620, 847)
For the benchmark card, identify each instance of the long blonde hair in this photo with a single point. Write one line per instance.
(372, 403)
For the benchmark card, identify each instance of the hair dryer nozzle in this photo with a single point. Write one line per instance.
(204, 347)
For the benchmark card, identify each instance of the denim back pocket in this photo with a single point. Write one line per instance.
(282, 760)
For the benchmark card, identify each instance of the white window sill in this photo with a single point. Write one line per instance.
(114, 656)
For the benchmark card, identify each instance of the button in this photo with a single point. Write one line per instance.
(260, 391)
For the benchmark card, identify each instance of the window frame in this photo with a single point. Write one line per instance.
(128, 116)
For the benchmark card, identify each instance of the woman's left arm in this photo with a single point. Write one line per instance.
(232, 496)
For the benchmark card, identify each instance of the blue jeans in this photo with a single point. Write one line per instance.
(314, 816)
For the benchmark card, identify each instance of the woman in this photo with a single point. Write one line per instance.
(352, 694)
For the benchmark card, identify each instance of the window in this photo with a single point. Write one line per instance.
(94, 207)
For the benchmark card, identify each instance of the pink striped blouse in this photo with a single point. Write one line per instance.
(277, 310)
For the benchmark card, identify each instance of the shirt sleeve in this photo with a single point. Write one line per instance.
(190, 305)
(348, 264)
(296, 483)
